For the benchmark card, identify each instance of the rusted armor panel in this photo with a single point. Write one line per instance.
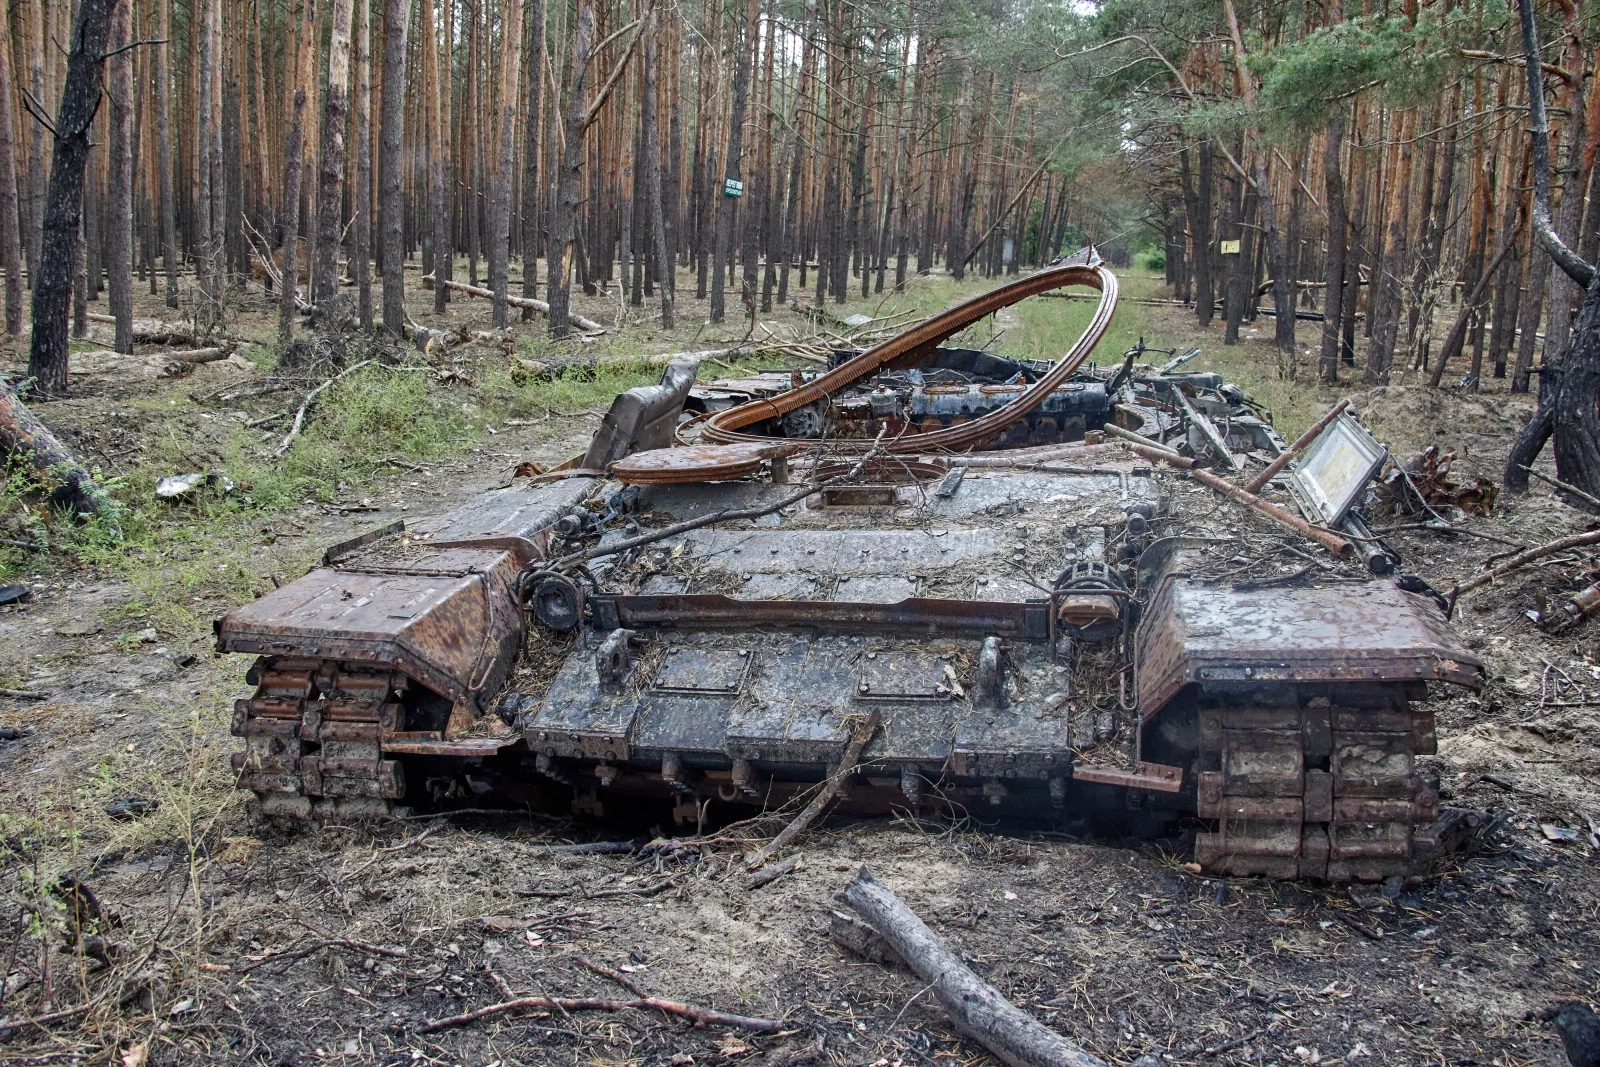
(1219, 636)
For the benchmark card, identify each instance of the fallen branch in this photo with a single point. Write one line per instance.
(23, 694)
(300, 416)
(703, 1016)
(773, 872)
(1522, 559)
(606, 972)
(977, 1008)
(588, 325)
(859, 737)
(1572, 490)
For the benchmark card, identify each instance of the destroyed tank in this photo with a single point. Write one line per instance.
(1032, 590)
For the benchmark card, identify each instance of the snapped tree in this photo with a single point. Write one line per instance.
(1569, 381)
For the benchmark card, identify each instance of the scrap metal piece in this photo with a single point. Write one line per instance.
(1084, 268)
(1335, 469)
(642, 418)
(694, 463)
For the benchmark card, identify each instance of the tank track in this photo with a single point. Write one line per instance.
(1316, 782)
(311, 734)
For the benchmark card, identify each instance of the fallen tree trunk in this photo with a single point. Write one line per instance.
(976, 1007)
(22, 434)
(156, 332)
(198, 355)
(589, 325)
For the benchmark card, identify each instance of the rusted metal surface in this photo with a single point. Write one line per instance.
(1574, 609)
(729, 427)
(1373, 631)
(1255, 484)
(449, 619)
(642, 418)
(914, 615)
(695, 463)
(1316, 782)
(1331, 541)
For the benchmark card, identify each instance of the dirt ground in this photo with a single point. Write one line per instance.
(234, 943)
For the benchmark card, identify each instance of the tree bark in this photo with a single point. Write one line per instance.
(361, 234)
(34, 224)
(119, 187)
(500, 176)
(976, 1008)
(163, 147)
(569, 174)
(305, 20)
(10, 237)
(391, 163)
(530, 163)
(80, 99)
(205, 261)
(23, 435)
(732, 165)
(331, 303)
(652, 173)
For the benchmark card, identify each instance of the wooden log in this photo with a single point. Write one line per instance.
(589, 325)
(22, 434)
(198, 355)
(976, 1007)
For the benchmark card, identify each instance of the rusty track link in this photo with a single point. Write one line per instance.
(312, 738)
(725, 427)
(1317, 782)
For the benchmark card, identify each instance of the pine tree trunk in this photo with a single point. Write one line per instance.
(506, 132)
(205, 263)
(569, 174)
(163, 147)
(119, 239)
(52, 292)
(305, 23)
(361, 233)
(733, 164)
(331, 304)
(530, 159)
(652, 173)
(38, 33)
(10, 239)
(391, 164)
(1205, 253)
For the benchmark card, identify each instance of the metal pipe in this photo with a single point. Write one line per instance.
(1254, 484)
(1332, 542)
(1135, 438)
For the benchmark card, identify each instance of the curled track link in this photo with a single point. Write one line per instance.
(312, 732)
(730, 426)
(1317, 782)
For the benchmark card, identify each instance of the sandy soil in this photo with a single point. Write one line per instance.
(1111, 942)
